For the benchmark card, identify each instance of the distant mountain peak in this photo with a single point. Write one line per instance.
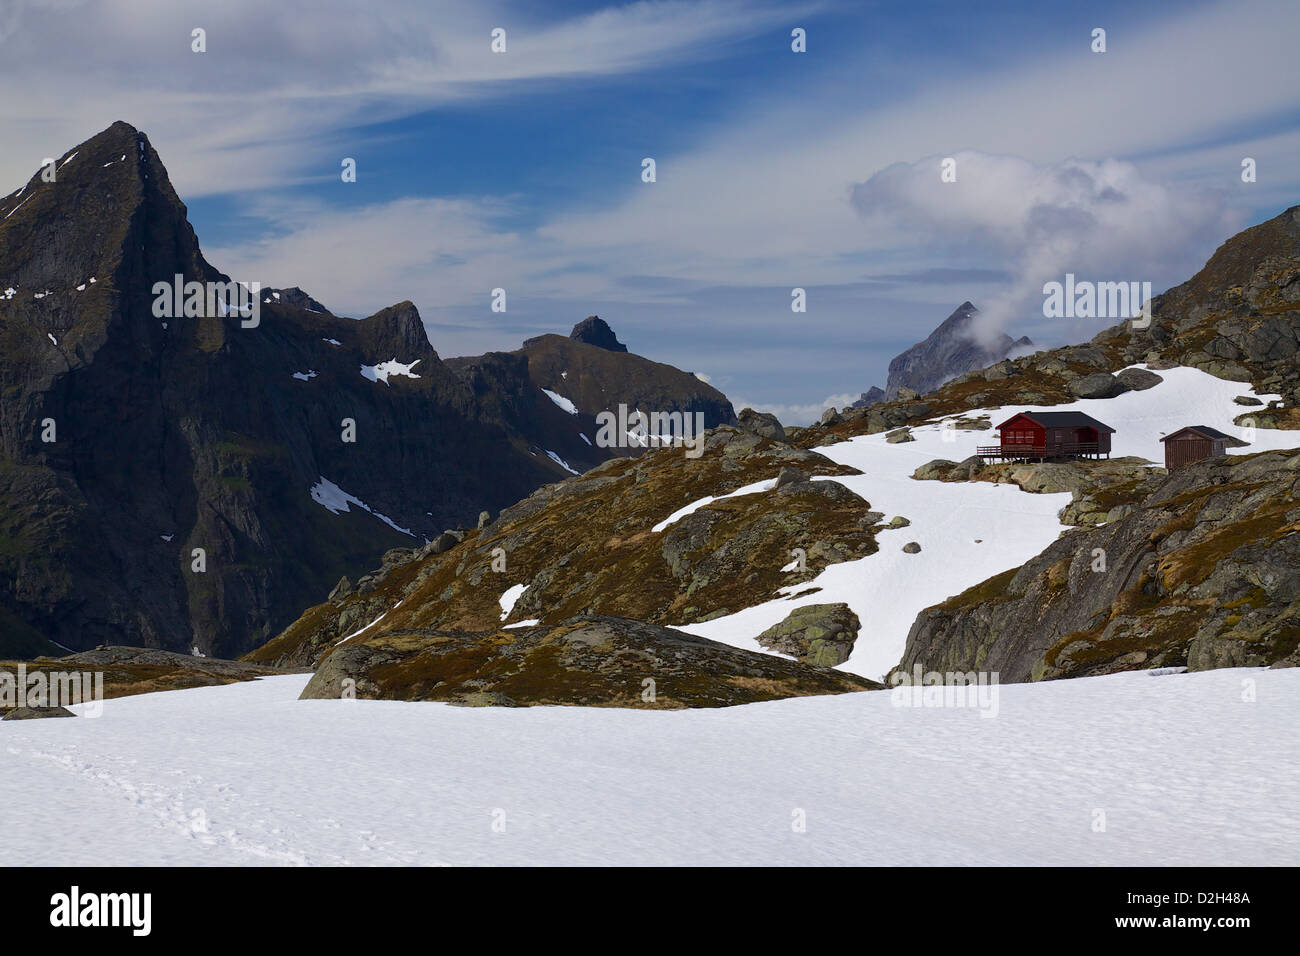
(945, 353)
(596, 331)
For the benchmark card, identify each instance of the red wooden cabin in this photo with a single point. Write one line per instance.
(1044, 435)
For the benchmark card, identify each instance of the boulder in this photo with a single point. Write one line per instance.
(932, 470)
(762, 424)
(1138, 379)
(790, 476)
(1096, 385)
(819, 634)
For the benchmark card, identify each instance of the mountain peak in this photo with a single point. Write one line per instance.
(945, 353)
(397, 332)
(596, 331)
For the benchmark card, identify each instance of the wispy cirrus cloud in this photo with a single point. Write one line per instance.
(277, 79)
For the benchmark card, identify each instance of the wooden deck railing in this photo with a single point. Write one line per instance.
(1058, 450)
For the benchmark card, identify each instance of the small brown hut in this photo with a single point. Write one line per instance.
(1195, 443)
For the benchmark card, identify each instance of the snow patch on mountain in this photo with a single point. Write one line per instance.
(759, 486)
(334, 499)
(382, 371)
(511, 597)
(562, 463)
(561, 401)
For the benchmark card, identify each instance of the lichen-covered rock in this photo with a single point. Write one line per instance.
(592, 661)
(819, 634)
(935, 469)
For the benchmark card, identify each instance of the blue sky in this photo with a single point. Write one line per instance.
(775, 169)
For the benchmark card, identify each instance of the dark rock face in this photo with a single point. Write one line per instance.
(819, 634)
(590, 661)
(1204, 571)
(596, 331)
(1238, 318)
(594, 378)
(946, 353)
(164, 480)
(297, 298)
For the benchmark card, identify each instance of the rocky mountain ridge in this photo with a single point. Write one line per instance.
(193, 482)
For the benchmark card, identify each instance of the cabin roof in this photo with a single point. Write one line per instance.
(1205, 430)
(1061, 420)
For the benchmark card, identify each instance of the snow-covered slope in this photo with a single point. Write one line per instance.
(971, 531)
(1181, 769)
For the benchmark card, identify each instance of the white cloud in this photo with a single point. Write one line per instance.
(1097, 219)
(278, 81)
(768, 196)
(435, 252)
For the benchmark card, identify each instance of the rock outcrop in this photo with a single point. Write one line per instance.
(660, 538)
(594, 661)
(127, 671)
(1203, 571)
(819, 634)
(596, 331)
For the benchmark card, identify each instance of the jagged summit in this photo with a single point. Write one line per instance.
(948, 351)
(105, 208)
(595, 372)
(596, 331)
